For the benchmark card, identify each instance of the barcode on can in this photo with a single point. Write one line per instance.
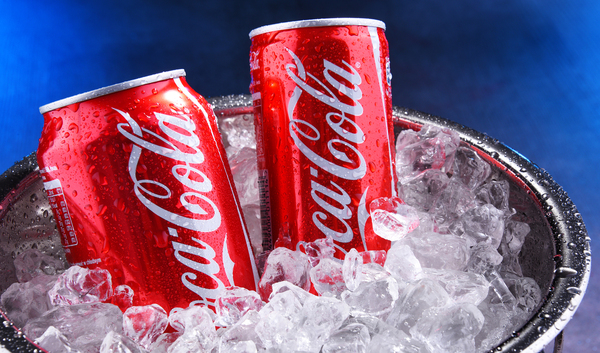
(62, 217)
(265, 209)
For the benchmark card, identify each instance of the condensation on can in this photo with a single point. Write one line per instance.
(322, 102)
(140, 185)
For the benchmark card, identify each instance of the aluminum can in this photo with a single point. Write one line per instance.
(321, 92)
(139, 184)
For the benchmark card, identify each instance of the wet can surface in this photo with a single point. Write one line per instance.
(139, 184)
(322, 101)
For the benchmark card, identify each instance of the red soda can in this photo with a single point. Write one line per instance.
(322, 101)
(139, 184)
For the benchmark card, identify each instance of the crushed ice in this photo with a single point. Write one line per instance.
(451, 281)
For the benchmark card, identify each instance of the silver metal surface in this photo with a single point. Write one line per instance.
(320, 22)
(111, 89)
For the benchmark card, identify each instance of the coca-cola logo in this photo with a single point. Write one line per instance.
(184, 159)
(347, 161)
(200, 216)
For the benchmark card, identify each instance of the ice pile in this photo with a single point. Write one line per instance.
(239, 135)
(451, 281)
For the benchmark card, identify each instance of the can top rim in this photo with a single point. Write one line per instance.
(112, 89)
(319, 22)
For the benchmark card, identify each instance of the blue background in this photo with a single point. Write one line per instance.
(524, 72)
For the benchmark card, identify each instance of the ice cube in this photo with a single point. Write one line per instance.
(510, 247)
(164, 341)
(25, 301)
(450, 138)
(245, 175)
(240, 347)
(503, 295)
(319, 317)
(327, 277)
(435, 250)
(117, 343)
(284, 286)
(463, 287)
(319, 249)
(84, 325)
(451, 141)
(322, 315)
(274, 330)
(372, 272)
(526, 291)
(497, 325)
(483, 258)
(284, 265)
(79, 285)
(426, 223)
(402, 264)
(352, 338)
(144, 324)
(358, 268)
(184, 319)
(239, 131)
(423, 191)
(480, 225)
(420, 156)
(452, 329)
(287, 303)
(199, 333)
(279, 317)
(471, 169)
(374, 256)
(418, 297)
(496, 193)
(122, 297)
(361, 299)
(32, 263)
(405, 138)
(53, 341)
(234, 302)
(388, 339)
(514, 236)
(352, 269)
(430, 148)
(238, 336)
(392, 219)
(453, 201)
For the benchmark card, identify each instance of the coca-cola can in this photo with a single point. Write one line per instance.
(139, 184)
(321, 92)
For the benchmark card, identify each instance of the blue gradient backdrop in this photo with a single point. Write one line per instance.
(524, 72)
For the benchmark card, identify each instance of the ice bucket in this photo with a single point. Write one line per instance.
(556, 253)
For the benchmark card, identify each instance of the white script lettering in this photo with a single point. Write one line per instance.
(342, 149)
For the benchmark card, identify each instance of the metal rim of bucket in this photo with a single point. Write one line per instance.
(571, 240)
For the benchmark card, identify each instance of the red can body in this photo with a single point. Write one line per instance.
(139, 184)
(322, 101)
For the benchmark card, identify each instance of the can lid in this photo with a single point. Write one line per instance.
(320, 22)
(112, 89)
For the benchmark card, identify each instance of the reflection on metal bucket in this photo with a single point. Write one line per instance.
(556, 253)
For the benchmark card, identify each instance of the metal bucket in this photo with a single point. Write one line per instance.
(556, 253)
